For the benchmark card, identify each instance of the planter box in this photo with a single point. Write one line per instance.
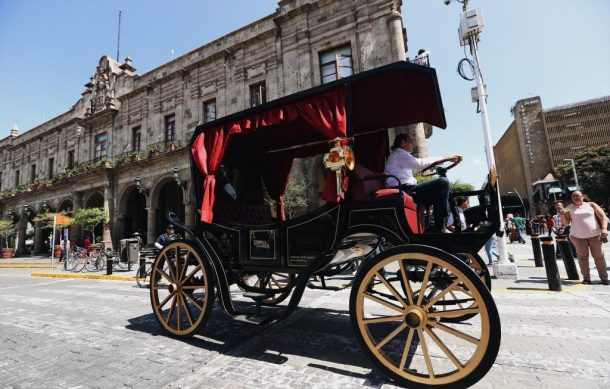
(7, 253)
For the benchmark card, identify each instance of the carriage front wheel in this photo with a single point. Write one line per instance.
(397, 321)
(181, 288)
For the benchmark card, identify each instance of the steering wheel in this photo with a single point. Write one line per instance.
(429, 171)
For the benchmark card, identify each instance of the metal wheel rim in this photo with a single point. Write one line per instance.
(462, 368)
(176, 289)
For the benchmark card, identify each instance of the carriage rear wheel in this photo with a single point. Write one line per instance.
(396, 319)
(181, 288)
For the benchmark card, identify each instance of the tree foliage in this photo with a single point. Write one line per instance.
(89, 218)
(7, 230)
(455, 186)
(46, 221)
(593, 172)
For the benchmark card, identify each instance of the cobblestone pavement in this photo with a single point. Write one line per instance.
(73, 333)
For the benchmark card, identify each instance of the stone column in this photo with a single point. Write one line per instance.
(38, 239)
(76, 232)
(151, 225)
(397, 39)
(109, 210)
(23, 223)
(189, 208)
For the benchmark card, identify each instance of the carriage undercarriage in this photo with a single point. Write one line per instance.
(420, 303)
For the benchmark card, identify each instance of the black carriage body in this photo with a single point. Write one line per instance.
(261, 144)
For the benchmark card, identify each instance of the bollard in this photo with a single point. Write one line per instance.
(550, 263)
(141, 269)
(568, 259)
(537, 252)
(108, 266)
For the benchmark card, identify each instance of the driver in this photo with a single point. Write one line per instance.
(433, 192)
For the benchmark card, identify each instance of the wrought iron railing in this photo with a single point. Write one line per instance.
(423, 60)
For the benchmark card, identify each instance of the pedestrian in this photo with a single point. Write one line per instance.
(167, 237)
(520, 226)
(588, 228)
(87, 242)
(489, 249)
(422, 58)
(550, 224)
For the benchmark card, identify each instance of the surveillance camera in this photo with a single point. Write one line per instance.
(447, 2)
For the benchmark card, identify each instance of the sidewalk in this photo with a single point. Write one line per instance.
(51, 268)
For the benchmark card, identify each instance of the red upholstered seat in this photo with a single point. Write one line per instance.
(363, 187)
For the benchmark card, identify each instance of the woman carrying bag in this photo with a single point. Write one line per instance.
(587, 232)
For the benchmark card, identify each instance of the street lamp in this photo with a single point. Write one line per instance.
(179, 182)
(140, 188)
(520, 199)
(574, 171)
(471, 26)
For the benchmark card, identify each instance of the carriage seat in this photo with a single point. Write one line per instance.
(366, 185)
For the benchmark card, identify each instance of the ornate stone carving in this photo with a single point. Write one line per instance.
(103, 94)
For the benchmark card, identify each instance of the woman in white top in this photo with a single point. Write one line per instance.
(586, 234)
(433, 192)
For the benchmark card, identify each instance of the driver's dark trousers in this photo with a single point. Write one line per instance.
(436, 193)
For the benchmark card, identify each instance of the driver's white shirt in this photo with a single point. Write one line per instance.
(401, 164)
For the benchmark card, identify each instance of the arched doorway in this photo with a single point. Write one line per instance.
(66, 206)
(96, 200)
(170, 200)
(135, 215)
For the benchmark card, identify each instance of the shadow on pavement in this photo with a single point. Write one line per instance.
(319, 334)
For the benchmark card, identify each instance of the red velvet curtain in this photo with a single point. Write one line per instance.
(324, 113)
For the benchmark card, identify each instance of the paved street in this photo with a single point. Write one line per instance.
(82, 333)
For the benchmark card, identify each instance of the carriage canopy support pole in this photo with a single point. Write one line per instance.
(503, 268)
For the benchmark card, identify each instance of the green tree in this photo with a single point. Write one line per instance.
(593, 171)
(455, 186)
(46, 221)
(89, 218)
(7, 230)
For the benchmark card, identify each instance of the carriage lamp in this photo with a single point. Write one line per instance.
(140, 188)
(338, 158)
(179, 182)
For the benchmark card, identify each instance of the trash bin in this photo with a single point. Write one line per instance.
(130, 250)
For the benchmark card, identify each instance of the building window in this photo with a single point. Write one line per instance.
(258, 94)
(136, 137)
(209, 110)
(336, 63)
(17, 178)
(32, 173)
(170, 128)
(50, 170)
(101, 146)
(71, 159)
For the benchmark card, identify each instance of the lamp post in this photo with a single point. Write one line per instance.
(574, 172)
(471, 26)
(520, 199)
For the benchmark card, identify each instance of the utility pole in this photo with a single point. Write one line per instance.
(471, 26)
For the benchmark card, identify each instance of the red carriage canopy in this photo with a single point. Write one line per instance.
(271, 135)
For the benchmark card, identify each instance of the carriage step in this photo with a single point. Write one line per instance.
(258, 296)
(255, 319)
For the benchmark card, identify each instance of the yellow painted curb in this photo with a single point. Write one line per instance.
(85, 276)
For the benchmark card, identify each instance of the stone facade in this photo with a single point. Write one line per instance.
(539, 140)
(127, 125)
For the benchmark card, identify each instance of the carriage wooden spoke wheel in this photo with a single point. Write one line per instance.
(397, 319)
(181, 288)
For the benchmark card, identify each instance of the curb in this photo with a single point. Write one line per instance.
(85, 276)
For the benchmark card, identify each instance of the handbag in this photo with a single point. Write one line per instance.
(599, 223)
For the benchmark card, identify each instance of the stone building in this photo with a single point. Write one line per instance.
(538, 140)
(122, 146)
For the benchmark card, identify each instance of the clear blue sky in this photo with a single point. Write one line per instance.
(557, 49)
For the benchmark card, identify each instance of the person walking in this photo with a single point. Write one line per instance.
(489, 249)
(588, 228)
(550, 223)
(520, 226)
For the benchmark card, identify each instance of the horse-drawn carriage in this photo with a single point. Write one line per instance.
(420, 304)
